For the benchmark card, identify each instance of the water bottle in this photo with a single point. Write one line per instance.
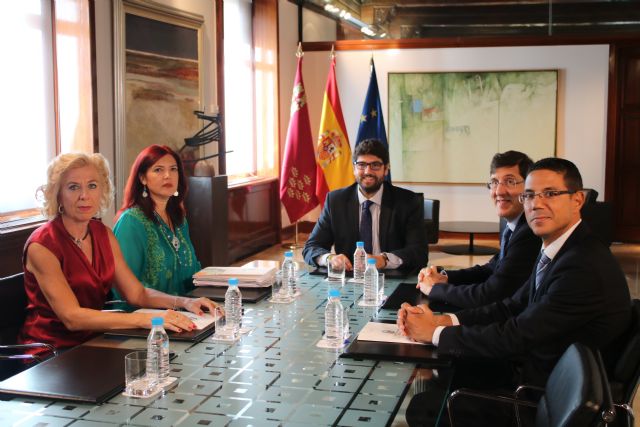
(370, 296)
(233, 306)
(359, 262)
(333, 323)
(158, 353)
(289, 281)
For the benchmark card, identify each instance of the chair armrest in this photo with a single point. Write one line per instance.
(525, 387)
(22, 348)
(493, 397)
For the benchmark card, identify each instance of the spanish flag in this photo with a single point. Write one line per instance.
(333, 153)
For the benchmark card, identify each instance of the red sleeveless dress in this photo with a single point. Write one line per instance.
(90, 281)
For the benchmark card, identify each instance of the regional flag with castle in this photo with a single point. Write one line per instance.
(298, 175)
(333, 153)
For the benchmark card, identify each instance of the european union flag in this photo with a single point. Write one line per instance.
(371, 120)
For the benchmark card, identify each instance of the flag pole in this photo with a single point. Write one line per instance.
(296, 243)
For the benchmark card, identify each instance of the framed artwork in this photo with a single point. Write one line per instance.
(158, 78)
(446, 127)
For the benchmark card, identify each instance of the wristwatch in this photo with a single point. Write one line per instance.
(386, 259)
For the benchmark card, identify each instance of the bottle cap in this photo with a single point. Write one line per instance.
(334, 293)
(157, 321)
(288, 254)
(233, 281)
(371, 261)
(360, 244)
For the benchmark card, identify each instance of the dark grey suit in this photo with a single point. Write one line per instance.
(401, 227)
(583, 298)
(497, 279)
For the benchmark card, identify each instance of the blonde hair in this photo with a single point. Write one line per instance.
(60, 165)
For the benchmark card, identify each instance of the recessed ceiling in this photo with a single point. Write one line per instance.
(401, 19)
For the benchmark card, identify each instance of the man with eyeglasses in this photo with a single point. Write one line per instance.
(575, 293)
(387, 218)
(519, 247)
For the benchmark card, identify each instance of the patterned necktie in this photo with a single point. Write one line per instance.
(506, 235)
(541, 268)
(366, 233)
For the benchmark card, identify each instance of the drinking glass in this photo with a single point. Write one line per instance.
(380, 288)
(137, 383)
(336, 269)
(223, 331)
(279, 291)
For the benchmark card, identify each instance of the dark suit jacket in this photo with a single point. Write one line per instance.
(401, 226)
(497, 279)
(583, 298)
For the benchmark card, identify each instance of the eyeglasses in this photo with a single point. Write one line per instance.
(529, 196)
(509, 183)
(374, 166)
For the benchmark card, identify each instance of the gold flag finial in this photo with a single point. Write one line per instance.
(333, 52)
(299, 52)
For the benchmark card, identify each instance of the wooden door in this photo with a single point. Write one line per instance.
(623, 144)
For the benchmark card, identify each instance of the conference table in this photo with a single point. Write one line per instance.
(471, 228)
(275, 375)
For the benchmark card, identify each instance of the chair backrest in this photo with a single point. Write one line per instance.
(598, 216)
(432, 219)
(574, 392)
(13, 304)
(626, 372)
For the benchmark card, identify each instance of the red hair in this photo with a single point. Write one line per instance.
(133, 190)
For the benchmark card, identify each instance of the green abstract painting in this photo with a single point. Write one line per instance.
(446, 127)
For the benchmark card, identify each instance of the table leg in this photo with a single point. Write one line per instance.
(470, 243)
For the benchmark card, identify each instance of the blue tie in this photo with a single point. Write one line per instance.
(366, 233)
(506, 235)
(541, 268)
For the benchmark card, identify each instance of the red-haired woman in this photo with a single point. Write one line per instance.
(151, 225)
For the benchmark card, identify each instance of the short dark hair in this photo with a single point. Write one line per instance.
(511, 158)
(569, 171)
(372, 146)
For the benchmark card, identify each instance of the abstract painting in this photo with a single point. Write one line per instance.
(446, 127)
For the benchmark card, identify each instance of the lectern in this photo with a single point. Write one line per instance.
(207, 213)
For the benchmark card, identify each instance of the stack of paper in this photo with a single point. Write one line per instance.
(248, 277)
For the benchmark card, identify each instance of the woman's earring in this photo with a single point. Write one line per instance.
(144, 192)
(176, 193)
(60, 209)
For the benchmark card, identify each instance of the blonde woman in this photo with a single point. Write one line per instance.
(72, 261)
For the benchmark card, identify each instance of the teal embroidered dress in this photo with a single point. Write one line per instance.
(159, 258)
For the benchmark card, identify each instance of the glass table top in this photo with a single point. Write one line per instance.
(274, 375)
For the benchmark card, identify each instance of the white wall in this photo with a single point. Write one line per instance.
(582, 102)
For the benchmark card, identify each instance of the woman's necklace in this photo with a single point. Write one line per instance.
(171, 236)
(78, 241)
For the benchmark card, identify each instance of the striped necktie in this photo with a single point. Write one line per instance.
(506, 235)
(541, 268)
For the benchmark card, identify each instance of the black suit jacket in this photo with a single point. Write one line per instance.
(583, 298)
(497, 279)
(401, 226)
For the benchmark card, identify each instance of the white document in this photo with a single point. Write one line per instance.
(201, 322)
(384, 332)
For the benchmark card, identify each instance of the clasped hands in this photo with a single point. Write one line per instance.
(337, 260)
(429, 277)
(419, 323)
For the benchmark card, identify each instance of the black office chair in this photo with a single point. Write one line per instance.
(13, 303)
(598, 216)
(624, 377)
(432, 219)
(575, 394)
